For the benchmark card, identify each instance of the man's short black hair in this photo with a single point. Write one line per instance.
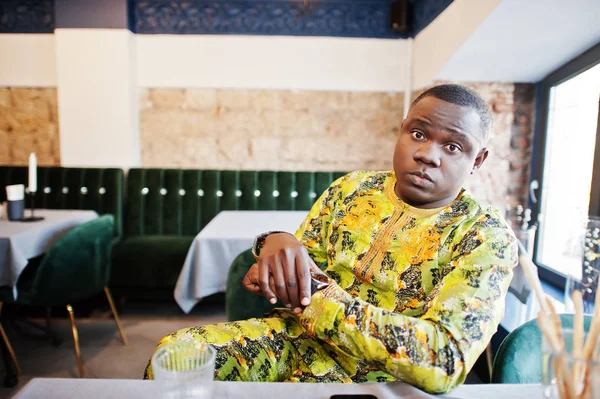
(465, 97)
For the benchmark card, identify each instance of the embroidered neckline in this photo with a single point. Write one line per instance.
(390, 184)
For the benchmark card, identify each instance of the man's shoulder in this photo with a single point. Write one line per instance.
(358, 176)
(483, 212)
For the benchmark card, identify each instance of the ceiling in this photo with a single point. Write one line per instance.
(525, 40)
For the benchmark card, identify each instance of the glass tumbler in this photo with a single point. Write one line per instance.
(185, 370)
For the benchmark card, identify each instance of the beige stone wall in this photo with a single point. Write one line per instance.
(287, 130)
(275, 130)
(29, 123)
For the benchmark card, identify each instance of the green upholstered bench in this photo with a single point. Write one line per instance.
(166, 208)
(96, 189)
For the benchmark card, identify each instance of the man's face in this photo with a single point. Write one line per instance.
(438, 146)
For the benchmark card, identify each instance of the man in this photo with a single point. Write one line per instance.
(416, 270)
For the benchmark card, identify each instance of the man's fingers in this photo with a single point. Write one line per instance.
(291, 280)
(250, 281)
(303, 269)
(278, 276)
(263, 280)
(272, 283)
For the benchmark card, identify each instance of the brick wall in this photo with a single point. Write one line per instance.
(277, 130)
(504, 178)
(29, 123)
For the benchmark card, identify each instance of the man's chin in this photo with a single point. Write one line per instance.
(415, 196)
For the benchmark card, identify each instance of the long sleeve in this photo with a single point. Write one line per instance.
(436, 350)
(313, 231)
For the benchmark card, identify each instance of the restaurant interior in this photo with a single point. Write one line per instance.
(144, 144)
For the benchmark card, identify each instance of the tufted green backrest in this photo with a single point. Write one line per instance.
(182, 201)
(97, 189)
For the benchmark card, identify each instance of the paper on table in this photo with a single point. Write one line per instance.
(15, 192)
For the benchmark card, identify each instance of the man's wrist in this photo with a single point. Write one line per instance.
(259, 242)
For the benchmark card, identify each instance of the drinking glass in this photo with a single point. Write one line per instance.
(558, 367)
(185, 370)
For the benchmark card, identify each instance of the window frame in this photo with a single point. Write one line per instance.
(581, 63)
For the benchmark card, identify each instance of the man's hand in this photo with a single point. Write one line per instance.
(283, 271)
(251, 283)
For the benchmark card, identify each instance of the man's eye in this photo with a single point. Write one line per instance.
(453, 148)
(418, 135)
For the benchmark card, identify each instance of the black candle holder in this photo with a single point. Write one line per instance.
(32, 218)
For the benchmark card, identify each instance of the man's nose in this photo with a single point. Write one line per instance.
(429, 154)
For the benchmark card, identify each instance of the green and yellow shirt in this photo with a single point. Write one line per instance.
(419, 292)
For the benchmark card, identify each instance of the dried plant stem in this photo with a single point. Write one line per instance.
(560, 383)
(568, 382)
(590, 347)
(561, 366)
(579, 366)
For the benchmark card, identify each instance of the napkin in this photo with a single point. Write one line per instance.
(16, 192)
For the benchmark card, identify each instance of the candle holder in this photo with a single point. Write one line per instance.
(32, 218)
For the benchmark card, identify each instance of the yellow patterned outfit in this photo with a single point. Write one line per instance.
(418, 294)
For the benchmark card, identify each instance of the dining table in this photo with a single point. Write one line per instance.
(212, 251)
(65, 388)
(21, 241)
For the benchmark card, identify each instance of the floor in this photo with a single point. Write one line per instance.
(103, 352)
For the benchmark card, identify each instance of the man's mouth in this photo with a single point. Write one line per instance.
(420, 179)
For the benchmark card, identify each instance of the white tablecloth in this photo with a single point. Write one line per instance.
(21, 241)
(52, 388)
(227, 235)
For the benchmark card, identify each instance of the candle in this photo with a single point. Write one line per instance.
(32, 173)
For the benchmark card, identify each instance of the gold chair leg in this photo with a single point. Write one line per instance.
(75, 340)
(488, 356)
(115, 314)
(8, 346)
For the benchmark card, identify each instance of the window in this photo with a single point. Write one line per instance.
(567, 166)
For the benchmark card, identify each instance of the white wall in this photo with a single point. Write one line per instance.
(97, 98)
(436, 44)
(271, 62)
(523, 41)
(27, 60)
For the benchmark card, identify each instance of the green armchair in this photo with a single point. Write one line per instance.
(519, 357)
(241, 304)
(75, 268)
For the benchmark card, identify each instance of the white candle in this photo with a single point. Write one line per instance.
(32, 173)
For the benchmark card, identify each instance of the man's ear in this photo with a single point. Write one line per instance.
(481, 157)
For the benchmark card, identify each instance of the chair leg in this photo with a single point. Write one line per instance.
(115, 314)
(489, 358)
(75, 340)
(8, 346)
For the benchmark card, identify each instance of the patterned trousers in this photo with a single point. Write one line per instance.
(274, 349)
